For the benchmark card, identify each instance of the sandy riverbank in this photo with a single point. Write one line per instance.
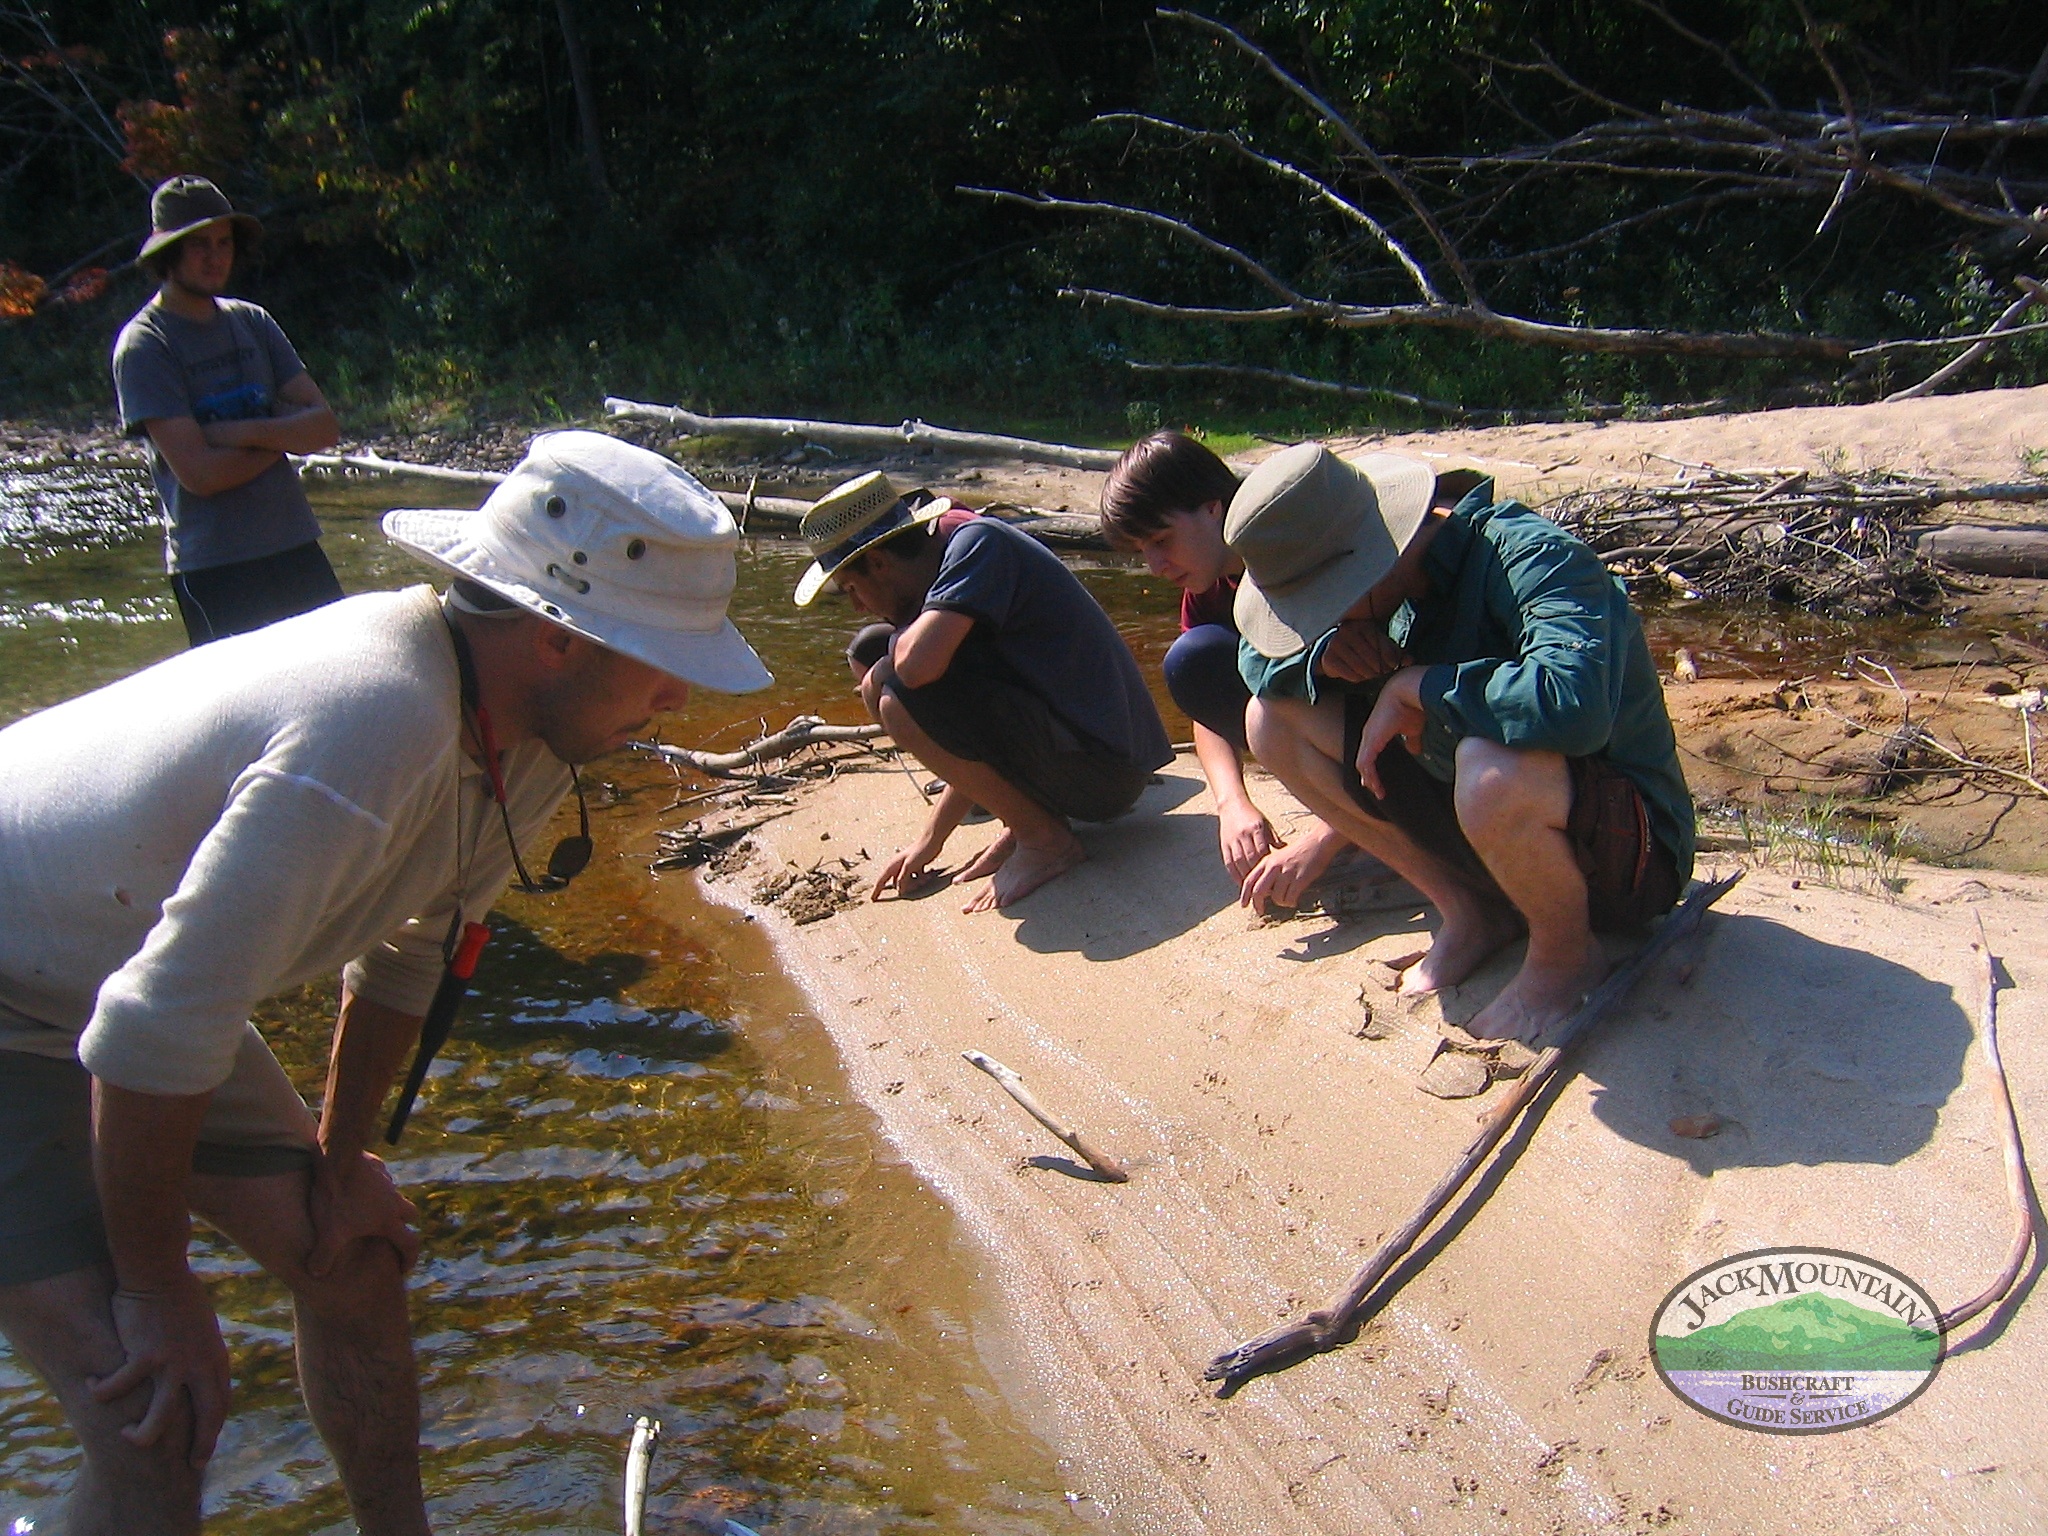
(1507, 1388)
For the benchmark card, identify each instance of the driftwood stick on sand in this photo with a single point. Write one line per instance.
(1325, 1327)
(2019, 1186)
(911, 434)
(1105, 1166)
(639, 1458)
(803, 731)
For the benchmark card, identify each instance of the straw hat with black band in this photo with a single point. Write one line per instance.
(1315, 533)
(185, 204)
(850, 519)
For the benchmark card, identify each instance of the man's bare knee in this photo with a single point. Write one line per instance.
(365, 1283)
(1275, 729)
(1502, 792)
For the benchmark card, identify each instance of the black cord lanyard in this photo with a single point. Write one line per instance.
(464, 944)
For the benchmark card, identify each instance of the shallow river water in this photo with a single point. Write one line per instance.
(646, 1189)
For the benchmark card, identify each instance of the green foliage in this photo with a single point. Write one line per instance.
(779, 229)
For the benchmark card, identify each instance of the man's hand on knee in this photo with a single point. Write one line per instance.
(353, 1198)
(172, 1342)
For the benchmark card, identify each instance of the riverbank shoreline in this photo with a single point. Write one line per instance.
(1507, 1387)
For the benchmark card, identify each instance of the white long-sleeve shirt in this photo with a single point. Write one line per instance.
(242, 818)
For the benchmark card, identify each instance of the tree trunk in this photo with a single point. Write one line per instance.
(586, 103)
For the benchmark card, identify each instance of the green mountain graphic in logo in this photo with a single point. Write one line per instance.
(1813, 1332)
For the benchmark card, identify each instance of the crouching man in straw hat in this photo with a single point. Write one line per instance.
(343, 791)
(999, 673)
(1466, 693)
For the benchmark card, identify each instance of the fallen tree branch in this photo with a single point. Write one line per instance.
(2031, 296)
(2019, 1185)
(1105, 1166)
(803, 731)
(376, 464)
(911, 434)
(1325, 1327)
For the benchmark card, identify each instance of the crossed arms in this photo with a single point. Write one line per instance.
(224, 454)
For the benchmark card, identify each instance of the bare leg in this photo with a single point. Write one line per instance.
(64, 1328)
(1514, 806)
(1043, 846)
(354, 1345)
(1302, 745)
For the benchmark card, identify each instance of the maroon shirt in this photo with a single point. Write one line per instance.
(1210, 607)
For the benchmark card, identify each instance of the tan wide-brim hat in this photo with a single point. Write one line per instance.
(852, 518)
(185, 204)
(1315, 533)
(609, 540)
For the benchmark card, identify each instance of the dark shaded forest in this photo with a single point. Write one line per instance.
(513, 206)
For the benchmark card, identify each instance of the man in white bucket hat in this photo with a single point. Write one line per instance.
(345, 790)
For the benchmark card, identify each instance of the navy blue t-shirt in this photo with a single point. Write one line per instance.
(1056, 637)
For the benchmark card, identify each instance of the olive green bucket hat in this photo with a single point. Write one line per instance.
(1316, 532)
(188, 203)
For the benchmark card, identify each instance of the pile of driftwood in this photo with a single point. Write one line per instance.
(1846, 543)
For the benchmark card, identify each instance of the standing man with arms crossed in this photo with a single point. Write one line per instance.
(1466, 693)
(222, 397)
(344, 792)
(1001, 675)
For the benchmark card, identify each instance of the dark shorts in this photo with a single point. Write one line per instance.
(233, 599)
(1630, 876)
(982, 711)
(49, 1205)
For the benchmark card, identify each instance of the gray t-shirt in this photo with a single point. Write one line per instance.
(1046, 625)
(228, 370)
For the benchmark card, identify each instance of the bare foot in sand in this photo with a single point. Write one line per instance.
(990, 859)
(1027, 868)
(1538, 999)
(1461, 946)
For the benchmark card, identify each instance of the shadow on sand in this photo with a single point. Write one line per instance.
(1808, 1052)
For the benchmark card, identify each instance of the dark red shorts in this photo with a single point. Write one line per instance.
(1630, 876)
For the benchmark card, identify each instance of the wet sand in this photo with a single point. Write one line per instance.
(1507, 1387)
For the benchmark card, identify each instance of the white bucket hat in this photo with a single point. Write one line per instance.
(611, 541)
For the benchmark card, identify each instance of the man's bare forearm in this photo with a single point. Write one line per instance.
(371, 1043)
(310, 430)
(142, 1161)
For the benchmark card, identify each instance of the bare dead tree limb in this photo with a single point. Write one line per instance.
(1727, 60)
(2031, 296)
(1347, 132)
(1281, 168)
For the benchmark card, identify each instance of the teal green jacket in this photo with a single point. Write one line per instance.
(1529, 641)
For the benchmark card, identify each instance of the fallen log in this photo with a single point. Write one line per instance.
(911, 434)
(776, 516)
(377, 464)
(1325, 1328)
(803, 731)
(1979, 551)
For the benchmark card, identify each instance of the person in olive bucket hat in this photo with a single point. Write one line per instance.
(222, 397)
(1462, 689)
